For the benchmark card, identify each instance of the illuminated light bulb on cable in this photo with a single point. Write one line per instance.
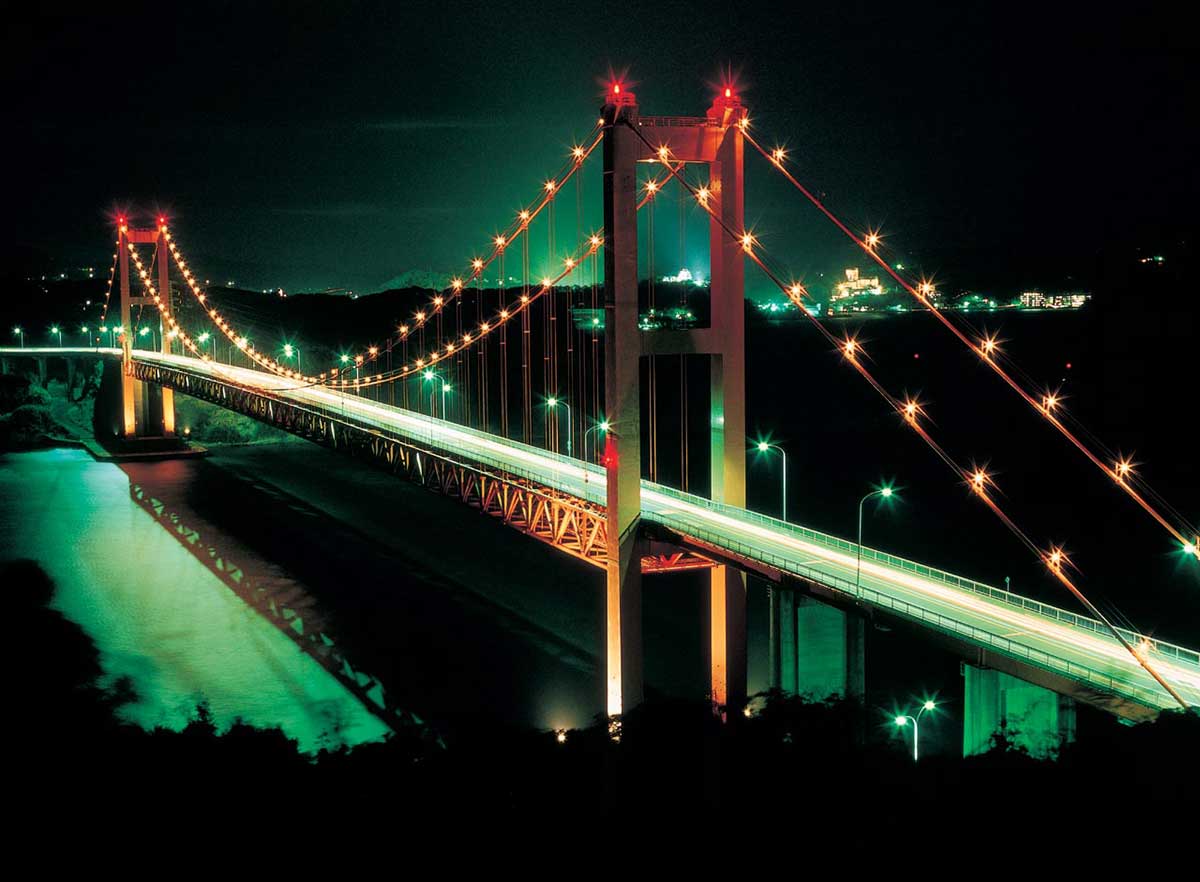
(420, 316)
(702, 195)
(504, 313)
(1050, 401)
(796, 290)
(373, 351)
(651, 186)
(910, 410)
(466, 338)
(989, 345)
(747, 242)
(456, 284)
(850, 347)
(778, 154)
(577, 152)
(403, 329)
(979, 480)
(872, 240)
(437, 301)
(1124, 469)
(663, 152)
(477, 264)
(483, 328)
(925, 289)
(545, 283)
(500, 241)
(524, 298)
(570, 262)
(550, 186)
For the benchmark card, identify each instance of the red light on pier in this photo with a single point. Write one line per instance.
(728, 92)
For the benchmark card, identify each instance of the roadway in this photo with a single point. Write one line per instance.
(1062, 643)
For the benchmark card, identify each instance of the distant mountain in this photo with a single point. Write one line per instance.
(415, 279)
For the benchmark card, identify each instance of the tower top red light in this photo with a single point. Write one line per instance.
(616, 88)
(728, 92)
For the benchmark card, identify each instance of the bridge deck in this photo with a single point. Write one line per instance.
(1073, 648)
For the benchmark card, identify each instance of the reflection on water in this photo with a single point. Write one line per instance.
(180, 639)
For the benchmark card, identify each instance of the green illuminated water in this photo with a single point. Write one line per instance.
(159, 616)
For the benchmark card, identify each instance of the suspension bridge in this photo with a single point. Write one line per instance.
(605, 508)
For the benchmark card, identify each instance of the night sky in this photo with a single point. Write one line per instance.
(313, 145)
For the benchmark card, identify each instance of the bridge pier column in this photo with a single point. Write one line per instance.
(816, 650)
(1033, 717)
(783, 639)
(166, 395)
(41, 372)
(727, 417)
(622, 400)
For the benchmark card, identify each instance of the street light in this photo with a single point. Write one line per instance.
(429, 377)
(84, 330)
(202, 338)
(288, 351)
(602, 426)
(105, 330)
(553, 402)
(142, 332)
(903, 720)
(766, 446)
(55, 329)
(884, 492)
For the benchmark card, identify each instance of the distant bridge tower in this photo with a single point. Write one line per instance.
(715, 139)
(146, 410)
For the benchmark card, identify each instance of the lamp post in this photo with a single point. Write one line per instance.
(104, 330)
(202, 338)
(289, 351)
(56, 329)
(83, 329)
(903, 720)
(553, 402)
(602, 426)
(20, 332)
(764, 447)
(884, 492)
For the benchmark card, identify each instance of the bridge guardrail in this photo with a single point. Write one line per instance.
(596, 493)
(1168, 650)
(1100, 679)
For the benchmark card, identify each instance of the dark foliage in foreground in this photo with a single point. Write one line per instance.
(793, 759)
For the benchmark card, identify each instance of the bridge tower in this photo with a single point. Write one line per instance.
(146, 410)
(715, 140)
